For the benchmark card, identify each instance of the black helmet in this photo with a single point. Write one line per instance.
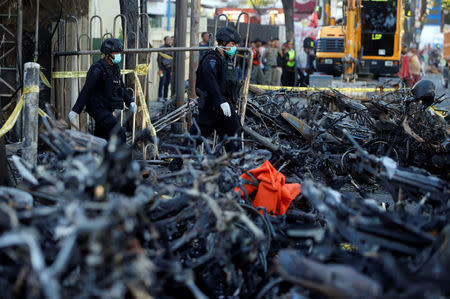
(308, 43)
(424, 91)
(228, 34)
(111, 45)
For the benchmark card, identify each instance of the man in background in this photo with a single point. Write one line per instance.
(270, 60)
(404, 74)
(165, 60)
(288, 76)
(257, 76)
(414, 65)
(204, 43)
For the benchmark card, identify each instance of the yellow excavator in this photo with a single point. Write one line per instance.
(366, 41)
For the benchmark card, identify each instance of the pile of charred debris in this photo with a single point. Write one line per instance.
(371, 220)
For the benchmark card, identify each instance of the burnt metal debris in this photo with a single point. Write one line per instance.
(372, 219)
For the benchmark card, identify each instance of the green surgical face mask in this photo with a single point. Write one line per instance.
(117, 58)
(231, 51)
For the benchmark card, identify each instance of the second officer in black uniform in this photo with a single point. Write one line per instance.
(104, 92)
(218, 89)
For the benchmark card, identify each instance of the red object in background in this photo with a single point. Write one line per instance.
(256, 57)
(255, 18)
(272, 192)
(303, 8)
(404, 70)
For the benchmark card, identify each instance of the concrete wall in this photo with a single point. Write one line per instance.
(106, 9)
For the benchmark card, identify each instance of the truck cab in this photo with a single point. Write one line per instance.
(330, 49)
(377, 37)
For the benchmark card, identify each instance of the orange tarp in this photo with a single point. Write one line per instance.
(272, 193)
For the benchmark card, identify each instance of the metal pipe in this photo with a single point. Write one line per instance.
(243, 106)
(238, 23)
(36, 33)
(19, 43)
(145, 50)
(194, 57)
(125, 37)
(168, 14)
(180, 57)
(147, 58)
(217, 21)
(91, 44)
(248, 26)
(75, 22)
(19, 67)
(107, 35)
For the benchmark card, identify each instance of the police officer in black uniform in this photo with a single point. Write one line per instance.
(104, 92)
(218, 88)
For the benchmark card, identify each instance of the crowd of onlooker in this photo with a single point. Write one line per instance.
(280, 65)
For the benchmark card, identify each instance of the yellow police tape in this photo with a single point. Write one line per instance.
(145, 110)
(11, 121)
(166, 56)
(45, 80)
(296, 88)
(441, 113)
(141, 70)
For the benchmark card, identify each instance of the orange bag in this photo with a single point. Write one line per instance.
(272, 193)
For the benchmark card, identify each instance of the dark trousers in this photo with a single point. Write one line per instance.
(105, 127)
(304, 79)
(288, 77)
(224, 126)
(164, 82)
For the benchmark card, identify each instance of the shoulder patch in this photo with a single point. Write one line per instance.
(212, 62)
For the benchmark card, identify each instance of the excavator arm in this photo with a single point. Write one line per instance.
(352, 43)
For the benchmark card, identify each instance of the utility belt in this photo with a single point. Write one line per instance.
(111, 104)
(203, 97)
(201, 101)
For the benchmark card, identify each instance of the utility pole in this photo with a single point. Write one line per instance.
(30, 112)
(193, 56)
(180, 57)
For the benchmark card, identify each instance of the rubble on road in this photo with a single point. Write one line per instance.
(371, 220)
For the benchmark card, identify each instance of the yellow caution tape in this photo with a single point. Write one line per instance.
(296, 88)
(439, 112)
(11, 121)
(141, 70)
(348, 247)
(9, 124)
(45, 80)
(145, 110)
(166, 56)
(42, 113)
(69, 74)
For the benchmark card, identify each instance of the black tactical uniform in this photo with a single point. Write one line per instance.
(217, 83)
(103, 93)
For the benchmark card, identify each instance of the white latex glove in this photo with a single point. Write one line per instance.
(133, 107)
(72, 116)
(226, 109)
